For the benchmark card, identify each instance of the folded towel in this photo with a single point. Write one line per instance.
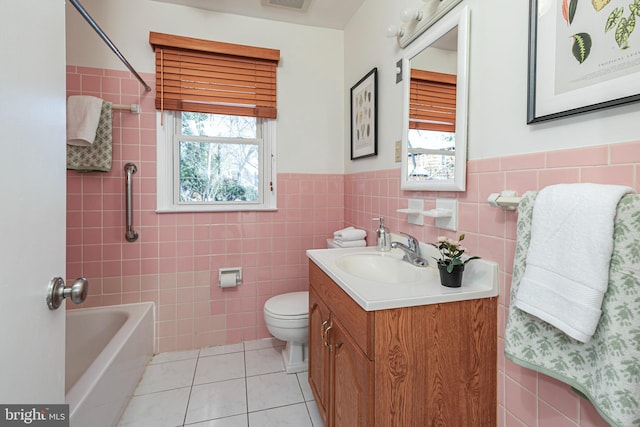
(349, 234)
(339, 232)
(567, 270)
(83, 116)
(351, 243)
(605, 369)
(97, 156)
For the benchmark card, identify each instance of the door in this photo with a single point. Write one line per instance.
(351, 381)
(318, 354)
(33, 201)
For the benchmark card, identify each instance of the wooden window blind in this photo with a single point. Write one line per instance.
(213, 77)
(432, 101)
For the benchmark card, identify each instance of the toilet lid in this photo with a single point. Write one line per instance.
(291, 304)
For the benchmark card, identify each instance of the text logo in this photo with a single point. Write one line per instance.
(34, 415)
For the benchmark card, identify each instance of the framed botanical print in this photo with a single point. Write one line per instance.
(364, 116)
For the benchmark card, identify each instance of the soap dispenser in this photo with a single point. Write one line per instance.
(383, 238)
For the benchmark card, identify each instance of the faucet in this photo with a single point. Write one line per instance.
(411, 251)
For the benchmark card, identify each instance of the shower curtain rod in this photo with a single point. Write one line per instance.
(104, 37)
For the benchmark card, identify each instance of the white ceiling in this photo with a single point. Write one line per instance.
(320, 13)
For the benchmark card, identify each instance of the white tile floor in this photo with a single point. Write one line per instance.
(239, 385)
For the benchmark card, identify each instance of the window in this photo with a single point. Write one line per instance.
(216, 138)
(211, 162)
(432, 123)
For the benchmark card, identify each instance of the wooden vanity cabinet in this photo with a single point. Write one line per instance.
(319, 353)
(340, 373)
(430, 365)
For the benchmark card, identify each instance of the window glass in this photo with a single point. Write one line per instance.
(431, 155)
(218, 125)
(215, 162)
(218, 172)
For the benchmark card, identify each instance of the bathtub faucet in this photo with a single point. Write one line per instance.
(411, 251)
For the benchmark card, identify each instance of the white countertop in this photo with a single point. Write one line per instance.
(480, 280)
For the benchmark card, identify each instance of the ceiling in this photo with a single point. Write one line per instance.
(319, 13)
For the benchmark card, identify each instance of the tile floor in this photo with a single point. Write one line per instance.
(238, 385)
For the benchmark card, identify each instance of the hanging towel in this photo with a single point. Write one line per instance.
(567, 269)
(349, 234)
(97, 156)
(83, 116)
(605, 370)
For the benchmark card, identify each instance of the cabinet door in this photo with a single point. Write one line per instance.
(319, 354)
(351, 381)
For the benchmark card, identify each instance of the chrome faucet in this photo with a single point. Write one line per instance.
(411, 251)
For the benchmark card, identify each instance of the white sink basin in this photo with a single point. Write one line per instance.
(381, 280)
(379, 267)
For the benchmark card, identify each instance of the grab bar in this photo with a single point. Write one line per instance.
(130, 169)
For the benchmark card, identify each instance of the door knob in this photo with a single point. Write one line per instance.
(57, 291)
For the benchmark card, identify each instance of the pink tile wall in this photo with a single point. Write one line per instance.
(175, 261)
(525, 398)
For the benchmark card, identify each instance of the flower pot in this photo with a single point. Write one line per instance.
(453, 279)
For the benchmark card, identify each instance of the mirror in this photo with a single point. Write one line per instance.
(434, 135)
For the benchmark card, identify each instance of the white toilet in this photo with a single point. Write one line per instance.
(287, 318)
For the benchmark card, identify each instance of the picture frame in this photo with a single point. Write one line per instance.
(364, 116)
(578, 62)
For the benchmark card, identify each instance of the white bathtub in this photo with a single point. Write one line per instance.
(107, 350)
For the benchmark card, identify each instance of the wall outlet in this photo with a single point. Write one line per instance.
(398, 151)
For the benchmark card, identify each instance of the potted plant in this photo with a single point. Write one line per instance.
(451, 264)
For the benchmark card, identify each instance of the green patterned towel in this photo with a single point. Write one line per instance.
(607, 368)
(97, 156)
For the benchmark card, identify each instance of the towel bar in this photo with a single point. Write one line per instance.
(130, 169)
(134, 108)
(507, 200)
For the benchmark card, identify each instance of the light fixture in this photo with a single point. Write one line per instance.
(395, 31)
(418, 20)
(409, 15)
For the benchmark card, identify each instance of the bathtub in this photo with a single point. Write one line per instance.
(107, 350)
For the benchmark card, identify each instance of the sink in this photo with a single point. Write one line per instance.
(379, 267)
(381, 280)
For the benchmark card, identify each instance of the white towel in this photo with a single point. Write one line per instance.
(83, 116)
(351, 243)
(567, 266)
(349, 234)
(339, 232)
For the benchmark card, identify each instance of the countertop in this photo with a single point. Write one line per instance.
(480, 280)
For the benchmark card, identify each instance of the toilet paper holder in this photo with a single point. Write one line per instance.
(229, 277)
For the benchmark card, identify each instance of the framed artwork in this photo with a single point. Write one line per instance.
(583, 56)
(364, 116)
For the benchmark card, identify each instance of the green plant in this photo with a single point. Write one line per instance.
(451, 252)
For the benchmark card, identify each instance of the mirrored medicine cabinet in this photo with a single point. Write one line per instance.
(435, 79)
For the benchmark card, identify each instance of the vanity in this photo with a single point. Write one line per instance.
(389, 346)
(399, 349)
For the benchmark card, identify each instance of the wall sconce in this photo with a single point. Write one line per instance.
(419, 20)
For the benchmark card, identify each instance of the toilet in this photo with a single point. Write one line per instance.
(287, 318)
